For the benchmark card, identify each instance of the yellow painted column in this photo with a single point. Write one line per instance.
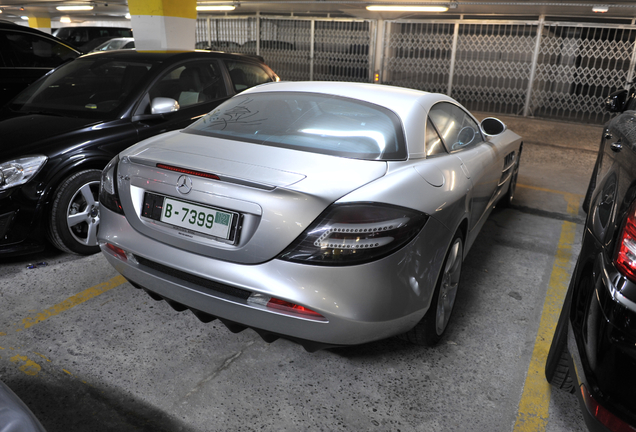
(41, 23)
(163, 25)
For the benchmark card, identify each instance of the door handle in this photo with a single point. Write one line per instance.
(617, 146)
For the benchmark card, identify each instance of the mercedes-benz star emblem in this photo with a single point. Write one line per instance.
(184, 184)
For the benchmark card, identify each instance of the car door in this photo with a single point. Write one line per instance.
(482, 162)
(197, 87)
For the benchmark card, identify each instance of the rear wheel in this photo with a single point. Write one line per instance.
(431, 328)
(74, 216)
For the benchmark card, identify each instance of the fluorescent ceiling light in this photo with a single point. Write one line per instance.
(215, 8)
(65, 20)
(600, 9)
(74, 8)
(389, 8)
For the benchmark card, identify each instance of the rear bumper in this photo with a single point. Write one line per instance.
(359, 303)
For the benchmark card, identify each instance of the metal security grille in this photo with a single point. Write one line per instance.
(342, 50)
(492, 66)
(543, 69)
(418, 55)
(227, 34)
(297, 49)
(285, 45)
(578, 67)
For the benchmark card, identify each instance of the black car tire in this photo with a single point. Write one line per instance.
(557, 365)
(73, 197)
(429, 331)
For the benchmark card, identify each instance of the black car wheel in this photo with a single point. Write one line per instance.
(74, 216)
(557, 365)
(431, 328)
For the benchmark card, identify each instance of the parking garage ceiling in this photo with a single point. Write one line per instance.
(116, 10)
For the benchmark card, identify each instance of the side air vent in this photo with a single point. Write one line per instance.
(506, 172)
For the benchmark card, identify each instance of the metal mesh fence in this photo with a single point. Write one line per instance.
(553, 70)
(418, 55)
(577, 68)
(492, 66)
(342, 50)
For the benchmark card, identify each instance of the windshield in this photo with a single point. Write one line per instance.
(310, 122)
(94, 87)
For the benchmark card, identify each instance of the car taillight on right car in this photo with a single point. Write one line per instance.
(625, 259)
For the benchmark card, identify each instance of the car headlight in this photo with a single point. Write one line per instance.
(19, 171)
(108, 193)
(347, 234)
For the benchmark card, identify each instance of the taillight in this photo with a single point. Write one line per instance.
(609, 420)
(347, 234)
(117, 251)
(625, 259)
(282, 305)
(121, 253)
(108, 192)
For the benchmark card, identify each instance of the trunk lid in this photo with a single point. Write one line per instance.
(273, 193)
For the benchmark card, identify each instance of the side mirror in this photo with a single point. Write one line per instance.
(491, 126)
(162, 105)
(616, 101)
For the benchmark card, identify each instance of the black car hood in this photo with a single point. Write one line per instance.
(39, 134)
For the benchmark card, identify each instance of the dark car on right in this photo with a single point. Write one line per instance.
(593, 351)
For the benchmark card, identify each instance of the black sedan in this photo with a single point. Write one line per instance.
(593, 351)
(59, 133)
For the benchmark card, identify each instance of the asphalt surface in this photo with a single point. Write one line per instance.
(88, 352)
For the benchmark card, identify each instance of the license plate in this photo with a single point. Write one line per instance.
(205, 220)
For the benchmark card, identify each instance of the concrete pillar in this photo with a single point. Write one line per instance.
(41, 23)
(163, 25)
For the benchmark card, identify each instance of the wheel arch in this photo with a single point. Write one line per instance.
(69, 168)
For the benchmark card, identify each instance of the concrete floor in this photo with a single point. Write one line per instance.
(87, 352)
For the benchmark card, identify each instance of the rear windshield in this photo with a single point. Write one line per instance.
(309, 122)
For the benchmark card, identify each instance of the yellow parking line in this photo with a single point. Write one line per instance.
(549, 190)
(533, 411)
(69, 303)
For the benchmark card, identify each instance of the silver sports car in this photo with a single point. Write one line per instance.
(326, 213)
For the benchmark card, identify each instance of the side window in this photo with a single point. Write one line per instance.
(190, 84)
(246, 75)
(27, 50)
(434, 145)
(456, 127)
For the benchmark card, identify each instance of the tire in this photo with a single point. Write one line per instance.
(557, 365)
(507, 199)
(74, 216)
(430, 330)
